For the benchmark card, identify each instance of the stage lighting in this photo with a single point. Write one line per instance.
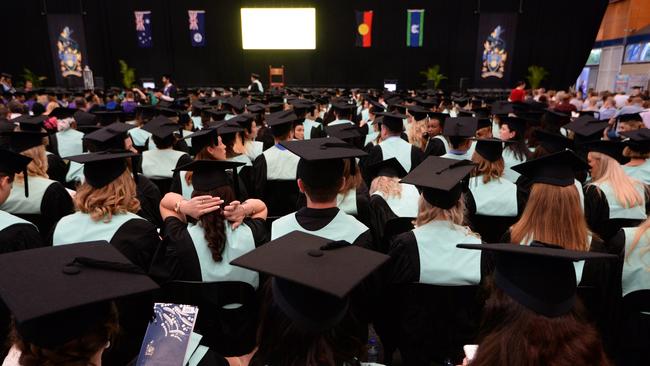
(278, 28)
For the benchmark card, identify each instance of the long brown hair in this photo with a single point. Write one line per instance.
(515, 335)
(118, 197)
(77, 352)
(213, 223)
(488, 169)
(553, 215)
(352, 181)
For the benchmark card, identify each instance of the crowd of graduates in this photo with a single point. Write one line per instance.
(310, 225)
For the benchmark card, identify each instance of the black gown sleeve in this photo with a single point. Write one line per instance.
(176, 258)
(416, 156)
(596, 209)
(20, 237)
(261, 234)
(56, 168)
(375, 155)
(149, 197)
(181, 145)
(138, 240)
(404, 263)
(259, 177)
(56, 203)
(184, 159)
(364, 240)
(363, 206)
(435, 147)
(380, 213)
(176, 186)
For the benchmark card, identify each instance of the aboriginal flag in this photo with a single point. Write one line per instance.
(364, 28)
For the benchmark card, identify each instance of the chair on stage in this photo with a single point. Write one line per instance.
(276, 77)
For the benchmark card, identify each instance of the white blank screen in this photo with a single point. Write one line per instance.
(278, 28)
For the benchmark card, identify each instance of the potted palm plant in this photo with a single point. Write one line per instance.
(433, 76)
(535, 76)
(128, 74)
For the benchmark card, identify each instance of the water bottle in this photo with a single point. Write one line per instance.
(373, 350)
(89, 83)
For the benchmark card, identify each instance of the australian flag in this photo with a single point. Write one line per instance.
(197, 27)
(143, 28)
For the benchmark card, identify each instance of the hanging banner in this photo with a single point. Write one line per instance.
(143, 28)
(495, 47)
(68, 46)
(414, 27)
(197, 27)
(364, 28)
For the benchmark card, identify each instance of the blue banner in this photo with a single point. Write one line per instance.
(143, 28)
(197, 27)
(414, 27)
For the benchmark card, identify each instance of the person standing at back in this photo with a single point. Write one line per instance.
(256, 84)
(518, 94)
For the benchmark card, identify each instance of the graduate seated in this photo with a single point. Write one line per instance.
(637, 149)
(320, 178)
(459, 131)
(437, 144)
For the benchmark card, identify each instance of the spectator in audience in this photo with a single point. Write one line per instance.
(518, 94)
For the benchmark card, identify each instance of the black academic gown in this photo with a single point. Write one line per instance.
(149, 197)
(56, 168)
(177, 260)
(375, 155)
(280, 196)
(435, 147)
(20, 236)
(363, 213)
(380, 215)
(491, 228)
(426, 324)
(598, 217)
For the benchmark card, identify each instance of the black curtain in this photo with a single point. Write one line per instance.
(556, 34)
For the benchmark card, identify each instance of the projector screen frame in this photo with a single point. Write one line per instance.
(279, 30)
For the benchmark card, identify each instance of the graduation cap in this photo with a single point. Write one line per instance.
(20, 141)
(321, 159)
(418, 112)
(376, 107)
(85, 120)
(587, 127)
(555, 118)
(441, 117)
(228, 128)
(244, 120)
(343, 131)
(558, 169)
(101, 168)
(31, 123)
(256, 108)
(490, 149)
(165, 130)
(146, 112)
(105, 118)
(110, 137)
(217, 114)
(386, 168)
(460, 127)
(209, 174)
(550, 141)
(280, 118)
(441, 180)
(237, 103)
(517, 124)
(465, 113)
(57, 294)
(393, 120)
(501, 108)
(539, 276)
(637, 140)
(167, 112)
(343, 107)
(62, 112)
(312, 276)
(12, 163)
(588, 113)
(613, 149)
(483, 123)
(629, 117)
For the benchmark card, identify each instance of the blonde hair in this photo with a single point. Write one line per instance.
(641, 230)
(610, 171)
(352, 181)
(38, 166)
(428, 212)
(415, 132)
(489, 170)
(546, 217)
(118, 197)
(389, 186)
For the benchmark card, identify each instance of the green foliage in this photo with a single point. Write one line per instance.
(128, 74)
(29, 75)
(535, 76)
(433, 74)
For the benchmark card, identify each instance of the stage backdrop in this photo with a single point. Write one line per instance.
(495, 50)
(556, 34)
(68, 45)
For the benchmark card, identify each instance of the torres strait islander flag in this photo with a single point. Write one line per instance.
(364, 28)
(414, 27)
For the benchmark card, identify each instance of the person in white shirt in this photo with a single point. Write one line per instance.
(256, 84)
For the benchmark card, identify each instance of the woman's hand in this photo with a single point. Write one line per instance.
(200, 205)
(235, 212)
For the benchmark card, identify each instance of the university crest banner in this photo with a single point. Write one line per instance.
(494, 50)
